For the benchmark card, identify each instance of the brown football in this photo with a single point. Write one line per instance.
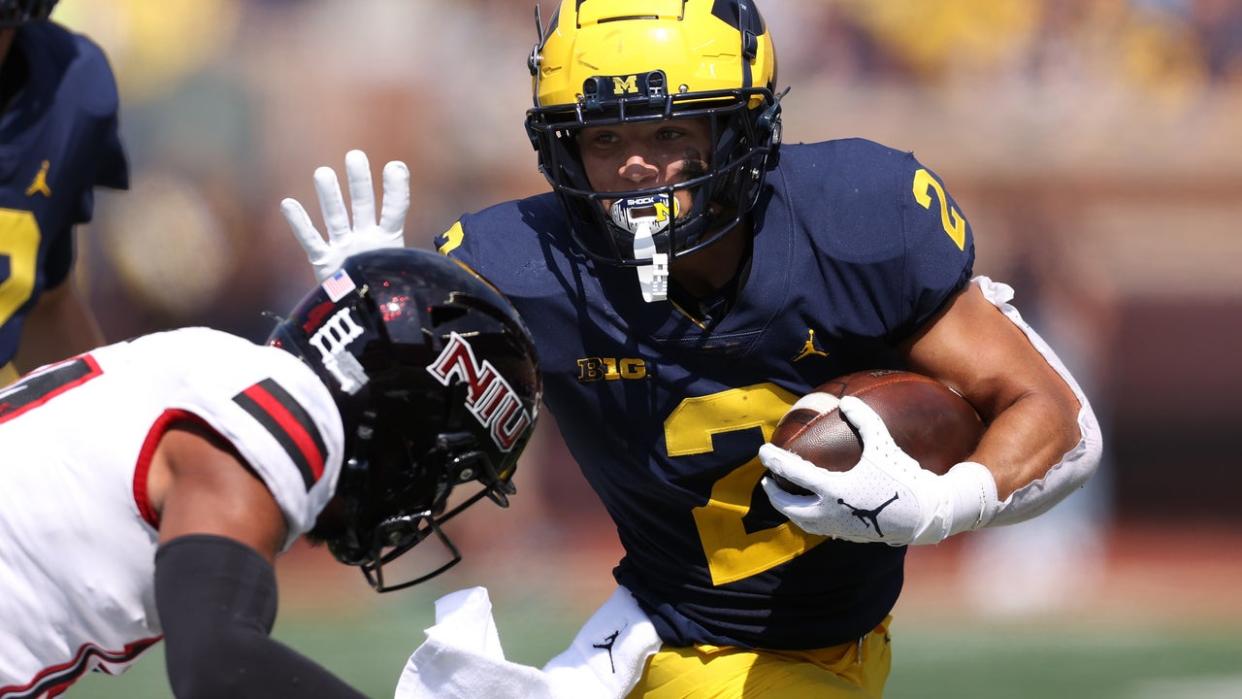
(926, 418)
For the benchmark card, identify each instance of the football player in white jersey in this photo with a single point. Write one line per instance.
(147, 487)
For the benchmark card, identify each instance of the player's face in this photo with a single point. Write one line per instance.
(639, 156)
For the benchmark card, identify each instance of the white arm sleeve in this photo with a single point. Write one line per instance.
(1077, 465)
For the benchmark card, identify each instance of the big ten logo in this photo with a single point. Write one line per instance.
(610, 369)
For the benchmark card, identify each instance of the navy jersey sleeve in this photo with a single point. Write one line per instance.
(939, 244)
(75, 130)
(504, 242)
(453, 243)
(892, 243)
(105, 158)
(59, 259)
(112, 170)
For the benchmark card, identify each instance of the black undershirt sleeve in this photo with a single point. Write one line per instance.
(217, 602)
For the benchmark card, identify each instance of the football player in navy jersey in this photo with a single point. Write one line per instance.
(58, 140)
(686, 280)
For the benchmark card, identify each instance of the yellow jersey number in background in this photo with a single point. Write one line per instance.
(19, 253)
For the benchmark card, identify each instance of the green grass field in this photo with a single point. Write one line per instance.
(1127, 661)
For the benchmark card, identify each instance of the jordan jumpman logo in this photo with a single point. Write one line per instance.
(809, 349)
(609, 640)
(868, 517)
(39, 185)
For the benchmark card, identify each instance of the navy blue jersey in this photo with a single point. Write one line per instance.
(58, 140)
(855, 247)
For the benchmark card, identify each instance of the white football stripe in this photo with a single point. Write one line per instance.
(822, 403)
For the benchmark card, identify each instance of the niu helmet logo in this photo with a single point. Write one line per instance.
(489, 397)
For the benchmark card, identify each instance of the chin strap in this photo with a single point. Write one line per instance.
(653, 277)
(645, 217)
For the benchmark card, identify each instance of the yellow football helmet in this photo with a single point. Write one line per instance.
(607, 62)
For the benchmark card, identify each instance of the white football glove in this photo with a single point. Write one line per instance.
(365, 234)
(887, 497)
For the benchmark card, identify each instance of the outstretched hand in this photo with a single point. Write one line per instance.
(365, 233)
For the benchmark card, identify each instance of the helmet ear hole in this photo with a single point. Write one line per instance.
(455, 408)
(769, 119)
(768, 122)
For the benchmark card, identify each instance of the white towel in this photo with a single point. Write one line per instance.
(462, 657)
(610, 652)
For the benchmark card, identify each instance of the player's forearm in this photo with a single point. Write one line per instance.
(246, 663)
(217, 601)
(1028, 438)
(60, 325)
(1043, 440)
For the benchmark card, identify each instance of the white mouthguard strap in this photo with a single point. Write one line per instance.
(652, 277)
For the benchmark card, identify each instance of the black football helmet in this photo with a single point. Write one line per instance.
(437, 383)
(15, 13)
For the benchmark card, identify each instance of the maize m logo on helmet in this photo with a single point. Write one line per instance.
(489, 397)
(625, 85)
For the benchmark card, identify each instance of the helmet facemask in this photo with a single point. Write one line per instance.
(384, 518)
(721, 195)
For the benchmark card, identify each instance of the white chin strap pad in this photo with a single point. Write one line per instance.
(645, 216)
(652, 277)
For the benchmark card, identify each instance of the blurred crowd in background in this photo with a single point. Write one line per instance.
(1095, 145)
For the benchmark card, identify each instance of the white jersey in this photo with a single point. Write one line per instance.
(77, 534)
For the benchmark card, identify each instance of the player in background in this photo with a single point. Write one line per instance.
(58, 140)
(148, 486)
(687, 279)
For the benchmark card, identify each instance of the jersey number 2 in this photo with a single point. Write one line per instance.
(732, 552)
(952, 222)
(19, 251)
